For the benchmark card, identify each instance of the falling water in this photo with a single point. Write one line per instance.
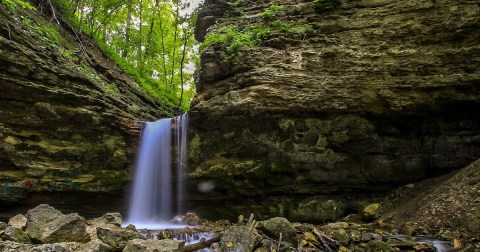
(152, 198)
(181, 130)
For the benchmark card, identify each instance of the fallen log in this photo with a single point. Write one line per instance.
(201, 244)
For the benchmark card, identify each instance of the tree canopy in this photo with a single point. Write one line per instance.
(151, 40)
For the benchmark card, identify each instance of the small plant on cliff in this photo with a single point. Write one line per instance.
(237, 38)
(233, 38)
(291, 27)
(14, 4)
(271, 11)
(45, 33)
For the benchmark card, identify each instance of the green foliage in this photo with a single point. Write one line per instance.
(291, 27)
(45, 33)
(151, 40)
(14, 4)
(326, 5)
(235, 39)
(271, 11)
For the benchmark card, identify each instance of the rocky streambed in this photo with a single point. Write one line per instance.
(44, 228)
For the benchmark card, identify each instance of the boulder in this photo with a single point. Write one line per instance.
(18, 221)
(371, 212)
(94, 246)
(37, 218)
(11, 246)
(237, 238)
(138, 245)
(65, 228)
(378, 246)
(370, 237)
(116, 237)
(341, 236)
(15, 234)
(106, 219)
(276, 226)
(192, 219)
(56, 247)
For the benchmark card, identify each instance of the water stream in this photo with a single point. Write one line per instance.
(154, 193)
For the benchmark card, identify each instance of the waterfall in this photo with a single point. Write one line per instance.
(181, 130)
(153, 191)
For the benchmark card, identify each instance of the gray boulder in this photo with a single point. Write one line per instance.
(37, 218)
(116, 237)
(237, 238)
(114, 219)
(94, 246)
(276, 226)
(65, 228)
(18, 221)
(139, 245)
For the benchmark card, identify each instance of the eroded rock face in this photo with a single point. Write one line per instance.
(381, 94)
(66, 123)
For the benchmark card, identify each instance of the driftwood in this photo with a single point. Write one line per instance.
(201, 244)
(325, 240)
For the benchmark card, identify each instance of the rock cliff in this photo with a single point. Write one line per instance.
(69, 118)
(379, 93)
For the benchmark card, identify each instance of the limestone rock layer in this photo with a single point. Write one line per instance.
(380, 94)
(69, 118)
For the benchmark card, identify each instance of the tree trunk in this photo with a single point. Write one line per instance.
(127, 30)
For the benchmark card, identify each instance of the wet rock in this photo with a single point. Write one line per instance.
(94, 246)
(65, 228)
(337, 225)
(179, 219)
(18, 221)
(237, 238)
(318, 210)
(371, 236)
(378, 246)
(15, 234)
(138, 245)
(276, 226)
(116, 237)
(192, 219)
(371, 212)
(400, 242)
(341, 236)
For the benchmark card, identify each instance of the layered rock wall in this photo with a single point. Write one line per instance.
(380, 94)
(69, 118)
